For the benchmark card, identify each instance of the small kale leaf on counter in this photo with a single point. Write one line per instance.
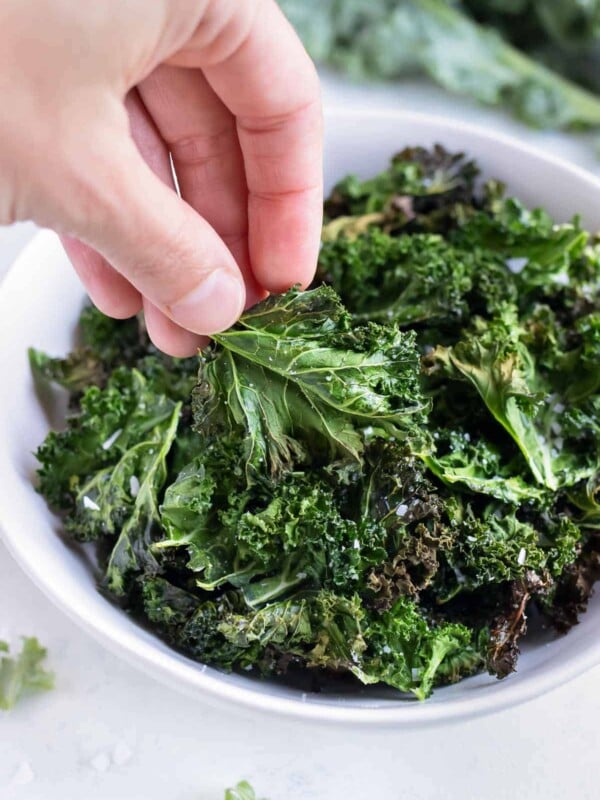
(23, 672)
(241, 791)
(385, 478)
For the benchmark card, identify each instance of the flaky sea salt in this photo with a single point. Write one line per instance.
(100, 762)
(112, 439)
(23, 774)
(134, 485)
(121, 753)
(516, 264)
(89, 504)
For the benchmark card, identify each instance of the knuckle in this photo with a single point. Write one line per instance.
(200, 149)
(225, 28)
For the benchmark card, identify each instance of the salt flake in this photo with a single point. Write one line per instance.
(134, 485)
(100, 762)
(23, 774)
(89, 503)
(112, 439)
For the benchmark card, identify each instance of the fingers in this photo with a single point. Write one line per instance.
(108, 291)
(201, 135)
(153, 238)
(268, 82)
(168, 336)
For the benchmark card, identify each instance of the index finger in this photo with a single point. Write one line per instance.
(271, 86)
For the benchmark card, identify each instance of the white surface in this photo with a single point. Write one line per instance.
(57, 745)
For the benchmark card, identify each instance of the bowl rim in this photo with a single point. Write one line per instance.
(185, 675)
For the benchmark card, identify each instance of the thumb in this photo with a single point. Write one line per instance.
(156, 240)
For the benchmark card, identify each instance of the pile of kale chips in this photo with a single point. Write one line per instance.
(382, 476)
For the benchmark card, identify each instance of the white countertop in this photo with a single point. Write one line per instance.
(107, 732)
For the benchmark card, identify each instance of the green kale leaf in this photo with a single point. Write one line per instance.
(23, 672)
(242, 791)
(387, 39)
(524, 394)
(414, 279)
(301, 381)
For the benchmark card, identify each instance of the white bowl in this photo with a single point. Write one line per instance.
(39, 304)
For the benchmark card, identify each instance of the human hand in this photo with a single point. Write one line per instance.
(97, 95)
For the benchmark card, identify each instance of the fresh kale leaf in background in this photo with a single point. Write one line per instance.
(539, 59)
(379, 477)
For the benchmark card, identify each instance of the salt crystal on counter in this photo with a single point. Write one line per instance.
(100, 762)
(121, 753)
(23, 774)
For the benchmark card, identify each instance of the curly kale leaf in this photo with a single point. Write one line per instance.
(586, 498)
(324, 631)
(132, 550)
(419, 183)
(525, 392)
(418, 519)
(414, 279)
(110, 424)
(267, 540)
(109, 466)
(494, 546)
(539, 252)
(479, 466)
(397, 647)
(300, 380)
(105, 345)
(23, 672)
(575, 587)
(209, 488)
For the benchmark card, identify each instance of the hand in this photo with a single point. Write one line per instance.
(96, 97)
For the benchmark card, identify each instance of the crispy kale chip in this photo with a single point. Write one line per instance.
(23, 672)
(106, 344)
(109, 466)
(301, 381)
(421, 187)
(380, 478)
(526, 392)
(323, 631)
(414, 280)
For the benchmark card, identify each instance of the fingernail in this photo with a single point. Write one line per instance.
(213, 305)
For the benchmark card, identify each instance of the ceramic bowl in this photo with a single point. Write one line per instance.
(39, 304)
